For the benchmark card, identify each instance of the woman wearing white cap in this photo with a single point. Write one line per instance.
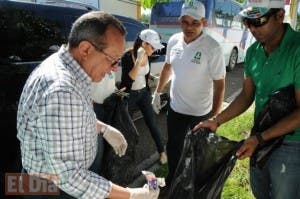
(135, 74)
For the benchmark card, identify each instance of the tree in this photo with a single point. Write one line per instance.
(145, 18)
(150, 3)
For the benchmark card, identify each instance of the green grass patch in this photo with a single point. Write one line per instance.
(237, 185)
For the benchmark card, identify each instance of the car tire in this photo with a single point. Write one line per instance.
(232, 60)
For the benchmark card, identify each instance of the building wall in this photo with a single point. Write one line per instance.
(128, 8)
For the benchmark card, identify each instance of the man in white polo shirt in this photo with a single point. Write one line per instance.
(195, 63)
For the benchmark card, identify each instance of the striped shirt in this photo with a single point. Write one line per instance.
(57, 126)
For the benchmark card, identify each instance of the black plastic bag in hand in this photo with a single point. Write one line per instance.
(116, 107)
(206, 161)
(280, 104)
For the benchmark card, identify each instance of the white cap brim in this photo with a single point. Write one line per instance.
(157, 46)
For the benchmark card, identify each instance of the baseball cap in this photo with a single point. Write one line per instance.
(194, 9)
(151, 37)
(258, 8)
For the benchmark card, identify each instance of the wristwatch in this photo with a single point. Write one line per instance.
(217, 121)
(261, 141)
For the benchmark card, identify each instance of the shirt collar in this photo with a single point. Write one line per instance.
(286, 36)
(200, 37)
(72, 65)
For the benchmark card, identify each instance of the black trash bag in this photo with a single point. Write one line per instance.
(280, 104)
(206, 161)
(119, 169)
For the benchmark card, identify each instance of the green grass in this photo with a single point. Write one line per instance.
(237, 184)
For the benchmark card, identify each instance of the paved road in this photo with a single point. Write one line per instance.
(146, 147)
(234, 80)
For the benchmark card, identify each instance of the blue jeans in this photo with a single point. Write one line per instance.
(280, 177)
(178, 125)
(142, 99)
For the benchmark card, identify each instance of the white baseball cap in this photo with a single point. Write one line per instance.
(257, 9)
(194, 9)
(151, 37)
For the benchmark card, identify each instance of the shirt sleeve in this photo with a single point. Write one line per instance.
(65, 135)
(297, 69)
(249, 53)
(217, 64)
(172, 41)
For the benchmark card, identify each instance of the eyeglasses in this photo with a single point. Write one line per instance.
(110, 58)
(258, 22)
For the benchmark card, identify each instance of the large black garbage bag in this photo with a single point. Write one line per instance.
(280, 104)
(206, 161)
(119, 169)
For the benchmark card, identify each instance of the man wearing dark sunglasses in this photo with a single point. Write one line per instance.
(271, 63)
(260, 21)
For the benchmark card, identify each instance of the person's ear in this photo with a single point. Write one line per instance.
(84, 49)
(204, 22)
(144, 44)
(280, 14)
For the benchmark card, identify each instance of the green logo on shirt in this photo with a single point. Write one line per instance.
(196, 58)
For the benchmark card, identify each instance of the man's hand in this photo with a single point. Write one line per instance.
(210, 123)
(143, 193)
(115, 138)
(156, 102)
(248, 148)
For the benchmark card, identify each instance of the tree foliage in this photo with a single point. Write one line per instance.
(151, 3)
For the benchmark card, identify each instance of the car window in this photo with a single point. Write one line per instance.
(28, 37)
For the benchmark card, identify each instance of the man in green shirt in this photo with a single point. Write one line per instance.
(271, 63)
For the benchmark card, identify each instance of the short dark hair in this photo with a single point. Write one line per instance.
(92, 26)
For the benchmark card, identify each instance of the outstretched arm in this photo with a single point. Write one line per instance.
(218, 97)
(284, 126)
(164, 77)
(240, 104)
(163, 80)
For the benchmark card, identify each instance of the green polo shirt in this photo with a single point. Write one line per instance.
(280, 69)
